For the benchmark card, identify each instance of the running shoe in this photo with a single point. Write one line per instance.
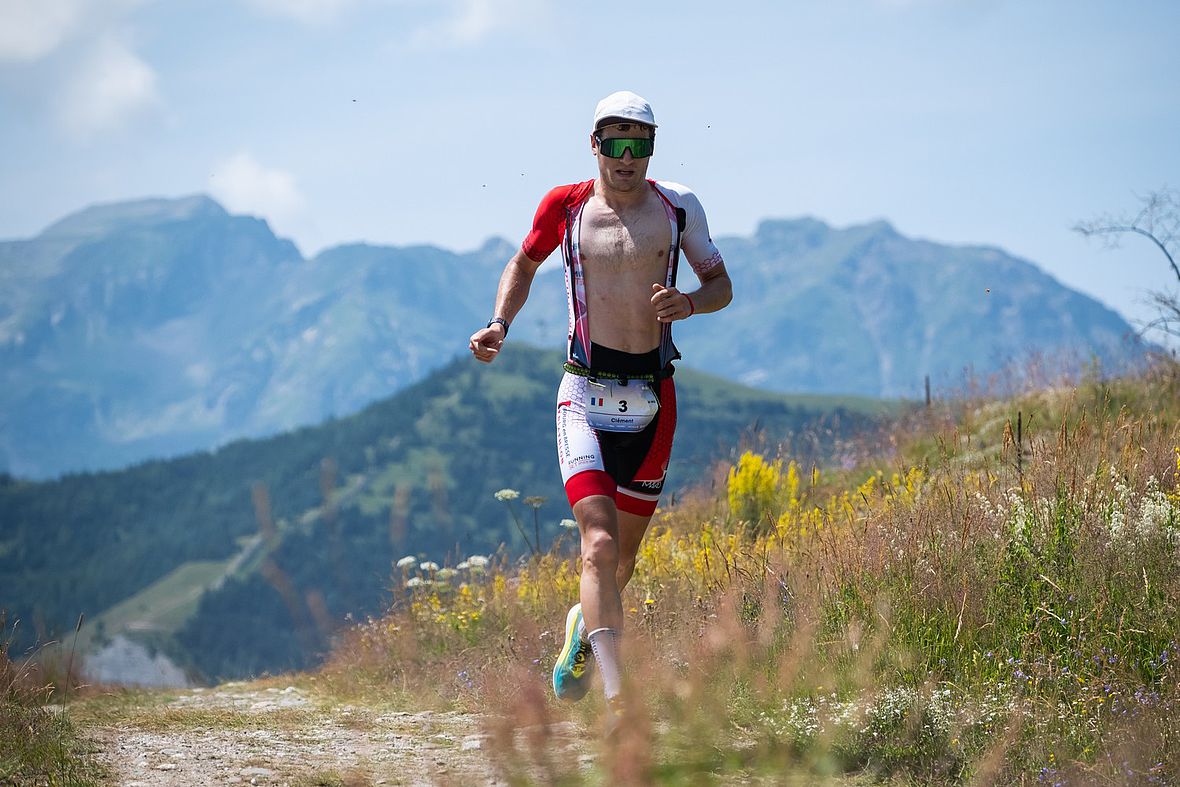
(571, 673)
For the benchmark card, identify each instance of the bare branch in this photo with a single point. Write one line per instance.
(1158, 220)
(1168, 316)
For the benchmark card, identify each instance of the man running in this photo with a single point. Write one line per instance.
(621, 236)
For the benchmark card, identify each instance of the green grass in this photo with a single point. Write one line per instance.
(166, 604)
(39, 746)
(39, 742)
(713, 391)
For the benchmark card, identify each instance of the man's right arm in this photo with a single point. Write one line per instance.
(515, 282)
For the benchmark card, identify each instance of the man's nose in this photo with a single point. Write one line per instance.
(627, 157)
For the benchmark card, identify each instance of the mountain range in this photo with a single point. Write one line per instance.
(153, 328)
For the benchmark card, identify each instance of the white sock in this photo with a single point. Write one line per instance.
(605, 643)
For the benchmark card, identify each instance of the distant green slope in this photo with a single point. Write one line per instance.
(413, 474)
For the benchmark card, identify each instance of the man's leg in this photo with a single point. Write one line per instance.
(602, 606)
(632, 528)
(598, 522)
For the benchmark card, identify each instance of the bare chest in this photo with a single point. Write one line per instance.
(636, 241)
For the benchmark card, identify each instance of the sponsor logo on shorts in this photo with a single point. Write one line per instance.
(649, 484)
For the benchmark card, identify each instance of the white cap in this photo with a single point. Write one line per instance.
(624, 106)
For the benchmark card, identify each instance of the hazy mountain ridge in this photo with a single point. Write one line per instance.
(865, 309)
(157, 327)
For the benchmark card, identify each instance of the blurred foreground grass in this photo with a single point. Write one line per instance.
(990, 594)
(986, 594)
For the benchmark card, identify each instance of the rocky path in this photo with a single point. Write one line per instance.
(242, 734)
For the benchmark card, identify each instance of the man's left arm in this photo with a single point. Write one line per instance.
(714, 294)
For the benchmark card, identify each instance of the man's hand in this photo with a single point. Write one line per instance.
(670, 303)
(485, 343)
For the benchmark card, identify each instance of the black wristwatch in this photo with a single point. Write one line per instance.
(500, 320)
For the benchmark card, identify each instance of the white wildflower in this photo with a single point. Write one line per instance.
(986, 506)
(409, 561)
(445, 574)
(428, 565)
(477, 561)
(1119, 506)
(568, 524)
(1156, 514)
(1018, 515)
(414, 582)
(507, 494)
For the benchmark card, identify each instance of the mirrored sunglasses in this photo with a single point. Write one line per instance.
(614, 148)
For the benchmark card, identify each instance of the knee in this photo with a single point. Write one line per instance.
(600, 552)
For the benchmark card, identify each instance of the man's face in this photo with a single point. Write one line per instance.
(628, 172)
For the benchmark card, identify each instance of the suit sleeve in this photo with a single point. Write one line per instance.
(698, 246)
(548, 225)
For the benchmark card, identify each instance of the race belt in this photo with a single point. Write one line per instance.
(651, 377)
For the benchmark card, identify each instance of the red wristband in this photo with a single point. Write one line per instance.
(691, 308)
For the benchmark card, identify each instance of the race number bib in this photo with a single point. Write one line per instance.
(616, 406)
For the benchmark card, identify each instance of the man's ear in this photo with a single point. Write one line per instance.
(593, 144)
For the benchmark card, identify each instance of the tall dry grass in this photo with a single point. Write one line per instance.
(988, 595)
(39, 744)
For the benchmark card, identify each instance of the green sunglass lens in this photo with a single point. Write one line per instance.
(614, 148)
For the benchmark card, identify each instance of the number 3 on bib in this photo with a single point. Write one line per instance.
(608, 411)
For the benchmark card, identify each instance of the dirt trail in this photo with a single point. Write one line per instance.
(241, 734)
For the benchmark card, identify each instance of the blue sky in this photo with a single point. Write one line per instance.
(444, 121)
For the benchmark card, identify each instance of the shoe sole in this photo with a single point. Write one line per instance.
(571, 641)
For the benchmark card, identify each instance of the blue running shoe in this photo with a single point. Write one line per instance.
(571, 673)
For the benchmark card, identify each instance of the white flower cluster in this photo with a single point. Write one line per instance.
(1023, 516)
(440, 577)
(985, 505)
(1018, 514)
(507, 494)
(1119, 505)
(1157, 514)
(475, 563)
(798, 721)
(882, 715)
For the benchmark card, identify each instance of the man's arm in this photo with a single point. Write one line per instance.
(714, 294)
(513, 291)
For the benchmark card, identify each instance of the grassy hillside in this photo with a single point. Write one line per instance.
(993, 598)
(268, 545)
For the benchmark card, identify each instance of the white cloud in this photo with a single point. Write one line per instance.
(110, 84)
(74, 61)
(306, 11)
(474, 20)
(31, 29)
(243, 185)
